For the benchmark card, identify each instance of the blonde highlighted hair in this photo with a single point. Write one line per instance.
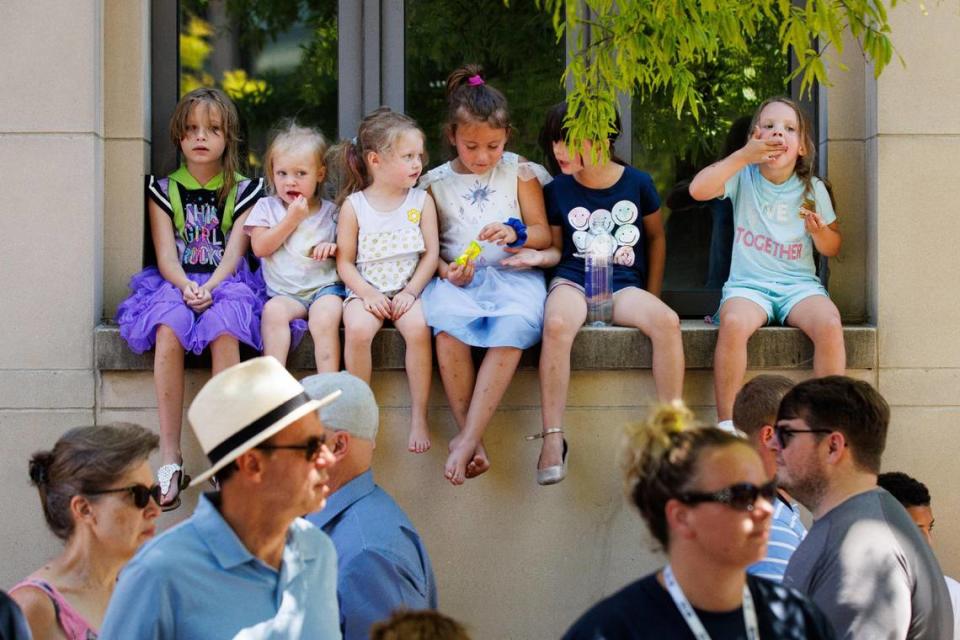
(290, 137)
(660, 460)
(216, 99)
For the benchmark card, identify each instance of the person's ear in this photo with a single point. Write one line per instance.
(339, 444)
(766, 435)
(373, 159)
(251, 464)
(321, 173)
(678, 517)
(82, 509)
(836, 444)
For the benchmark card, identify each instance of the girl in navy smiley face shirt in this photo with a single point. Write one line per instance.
(618, 210)
(586, 202)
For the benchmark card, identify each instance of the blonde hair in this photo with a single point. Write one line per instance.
(212, 98)
(806, 162)
(290, 137)
(661, 457)
(378, 132)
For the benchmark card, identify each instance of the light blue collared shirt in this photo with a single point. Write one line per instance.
(198, 581)
(383, 565)
(786, 534)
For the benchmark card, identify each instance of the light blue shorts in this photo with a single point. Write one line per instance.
(335, 289)
(776, 302)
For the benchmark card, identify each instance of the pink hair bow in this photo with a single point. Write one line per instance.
(475, 81)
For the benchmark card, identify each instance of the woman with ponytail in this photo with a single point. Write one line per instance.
(707, 501)
(98, 496)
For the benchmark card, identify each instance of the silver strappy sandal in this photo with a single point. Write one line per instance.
(555, 473)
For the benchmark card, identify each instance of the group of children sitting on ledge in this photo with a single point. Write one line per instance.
(457, 254)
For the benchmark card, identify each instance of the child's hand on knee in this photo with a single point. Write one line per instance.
(401, 303)
(324, 250)
(461, 275)
(378, 305)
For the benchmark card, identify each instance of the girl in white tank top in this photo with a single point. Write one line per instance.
(387, 248)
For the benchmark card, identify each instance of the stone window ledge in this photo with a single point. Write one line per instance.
(593, 349)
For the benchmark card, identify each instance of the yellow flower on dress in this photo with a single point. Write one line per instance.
(413, 215)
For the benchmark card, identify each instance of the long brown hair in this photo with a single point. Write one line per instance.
(378, 132)
(216, 99)
(806, 162)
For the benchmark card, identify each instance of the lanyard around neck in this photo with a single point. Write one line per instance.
(693, 621)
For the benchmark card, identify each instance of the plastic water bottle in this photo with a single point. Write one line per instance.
(598, 280)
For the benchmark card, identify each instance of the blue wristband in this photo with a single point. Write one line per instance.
(521, 230)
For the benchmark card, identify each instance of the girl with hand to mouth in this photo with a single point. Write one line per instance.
(294, 232)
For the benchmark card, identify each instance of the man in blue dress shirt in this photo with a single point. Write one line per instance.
(244, 565)
(383, 565)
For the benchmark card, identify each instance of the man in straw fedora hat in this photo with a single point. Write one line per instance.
(244, 565)
(382, 565)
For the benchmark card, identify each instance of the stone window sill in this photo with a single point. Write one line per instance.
(594, 349)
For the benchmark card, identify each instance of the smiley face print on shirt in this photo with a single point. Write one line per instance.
(617, 222)
(624, 212)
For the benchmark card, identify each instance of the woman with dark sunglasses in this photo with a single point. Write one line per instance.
(706, 499)
(96, 491)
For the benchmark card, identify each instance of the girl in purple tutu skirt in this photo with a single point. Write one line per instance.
(201, 292)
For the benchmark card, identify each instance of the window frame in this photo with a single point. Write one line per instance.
(370, 69)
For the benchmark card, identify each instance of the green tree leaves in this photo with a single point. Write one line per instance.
(644, 47)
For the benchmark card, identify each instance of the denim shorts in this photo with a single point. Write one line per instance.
(777, 301)
(335, 289)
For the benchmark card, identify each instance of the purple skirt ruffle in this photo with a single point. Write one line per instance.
(235, 310)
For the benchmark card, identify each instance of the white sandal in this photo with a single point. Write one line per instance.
(555, 473)
(165, 480)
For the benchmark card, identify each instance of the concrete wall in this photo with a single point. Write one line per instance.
(915, 131)
(51, 219)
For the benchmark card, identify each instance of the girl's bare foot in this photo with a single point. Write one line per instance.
(419, 441)
(461, 453)
(479, 463)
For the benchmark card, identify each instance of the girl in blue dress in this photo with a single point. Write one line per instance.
(494, 199)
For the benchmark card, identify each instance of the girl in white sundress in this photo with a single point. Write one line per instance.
(494, 199)
(387, 250)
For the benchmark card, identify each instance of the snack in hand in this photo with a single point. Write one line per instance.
(808, 205)
(470, 253)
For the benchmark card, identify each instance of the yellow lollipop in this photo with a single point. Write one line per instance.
(470, 253)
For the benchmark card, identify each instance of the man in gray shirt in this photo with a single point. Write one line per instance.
(863, 562)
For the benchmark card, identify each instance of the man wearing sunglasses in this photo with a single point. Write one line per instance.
(244, 565)
(382, 564)
(754, 414)
(863, 562)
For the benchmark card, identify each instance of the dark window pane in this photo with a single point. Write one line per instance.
(516, 46)
(274, 58)
(672, 150)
